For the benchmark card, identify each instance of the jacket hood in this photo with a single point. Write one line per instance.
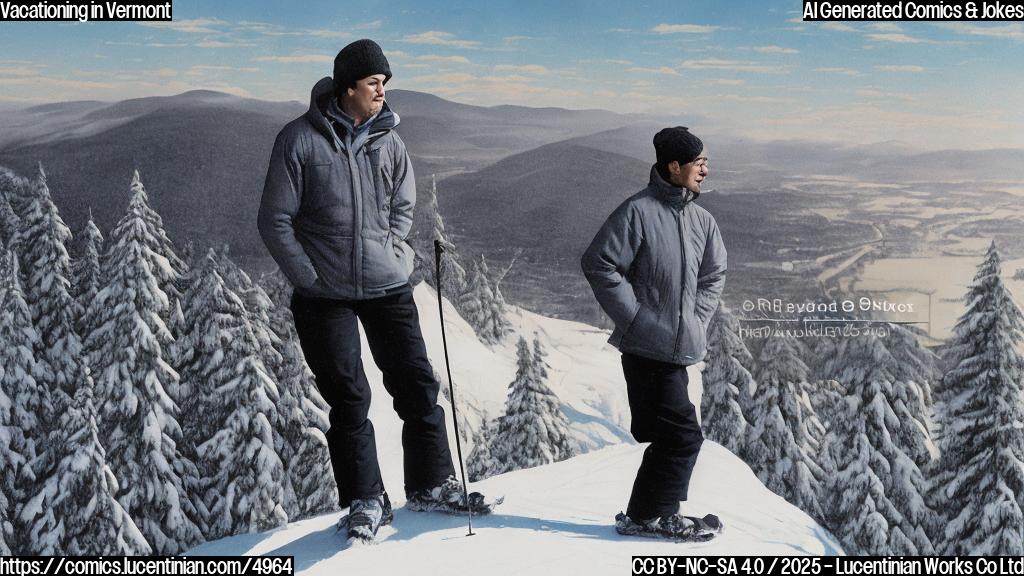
(319, 99)
(674, 195)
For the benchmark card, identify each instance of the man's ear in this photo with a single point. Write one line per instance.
(675, 168)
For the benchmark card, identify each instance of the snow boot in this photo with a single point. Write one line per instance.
(676, 527)
(366, 516)
(450, 498)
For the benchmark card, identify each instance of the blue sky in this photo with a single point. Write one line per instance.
(751, 68)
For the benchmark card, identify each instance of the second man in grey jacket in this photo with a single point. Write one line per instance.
(657, 267)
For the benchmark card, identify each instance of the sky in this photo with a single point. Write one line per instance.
(751, 68)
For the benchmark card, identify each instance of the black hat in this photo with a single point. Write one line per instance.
(358, 60)
(677, 144)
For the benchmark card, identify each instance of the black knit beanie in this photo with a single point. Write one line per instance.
(676, 144)
(358, 60)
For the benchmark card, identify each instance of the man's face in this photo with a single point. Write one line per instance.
(366, 98)
(689, 175)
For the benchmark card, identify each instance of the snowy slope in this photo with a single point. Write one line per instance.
(556, 519)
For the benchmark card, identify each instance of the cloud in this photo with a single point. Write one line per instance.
(894, 37)
(296, 59)
(161, 72)
(885, 27)
(873, 93)
(901, 68)
(514, 39)
(221, 44)
(1014, 31)
(836, 70)
(726, 82)
(731, 65)
(443, 59)
(373, 25)
(525, 69)
(662, 70)
(202, 69)
(19, 71)
(437, 38)
(194, 26)
(837, 27)
(759, 99)
(327, 33)
(775, 50)
(683, 29)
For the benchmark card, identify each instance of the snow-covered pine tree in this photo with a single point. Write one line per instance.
(80, 514)
(453, 275)
(482, 461)
(9, 221)
(46, 272)
(884, 447)
(86, 270)
(479, 308)
(245, 477)
(784, 433)
(289, 421)
(474, 302)
(138, 420)
(498, 322)
(916, 370)
(979, 479)
(19, 380)
(533, 431)
(20, 400)
(311, 473)
(728, 381)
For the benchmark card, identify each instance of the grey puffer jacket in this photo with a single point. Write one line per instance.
(335, 220)
(657, 267)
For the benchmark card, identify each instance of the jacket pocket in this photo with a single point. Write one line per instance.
(318, 190)
(331, 255)
(694, 339)
(649, 335)
(383, 265)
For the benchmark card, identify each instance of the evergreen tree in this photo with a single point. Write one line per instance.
(783, 436)
(482, 461)
(452, 272)
(20, 403)
(310, 470)
(870, 373)
(498, 323)
(86, 271)
(728, 382)
(533, 431)
(481, 309)
(138, 419)
(9, 221)
(979, 479)
(80, 515)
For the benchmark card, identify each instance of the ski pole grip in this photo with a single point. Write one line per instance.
(438, 249)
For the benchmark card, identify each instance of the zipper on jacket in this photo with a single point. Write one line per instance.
(357, 224)
(677, 349)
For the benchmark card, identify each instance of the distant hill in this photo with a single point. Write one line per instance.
(203, 155)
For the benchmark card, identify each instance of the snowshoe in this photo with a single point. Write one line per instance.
(365, 517)
(450, 498)
(676, 527)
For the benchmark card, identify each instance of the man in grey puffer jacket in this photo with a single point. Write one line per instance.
(657, 267)
(336, 210)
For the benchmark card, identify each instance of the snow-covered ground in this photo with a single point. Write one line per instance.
(556, 519)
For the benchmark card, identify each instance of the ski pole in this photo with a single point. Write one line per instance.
(438, 249)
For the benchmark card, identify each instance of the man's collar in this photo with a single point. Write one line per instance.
(677, 196)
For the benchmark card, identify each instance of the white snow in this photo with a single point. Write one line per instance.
(556, 519)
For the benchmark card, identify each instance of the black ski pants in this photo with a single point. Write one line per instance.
(330, 341)
(663, 415)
